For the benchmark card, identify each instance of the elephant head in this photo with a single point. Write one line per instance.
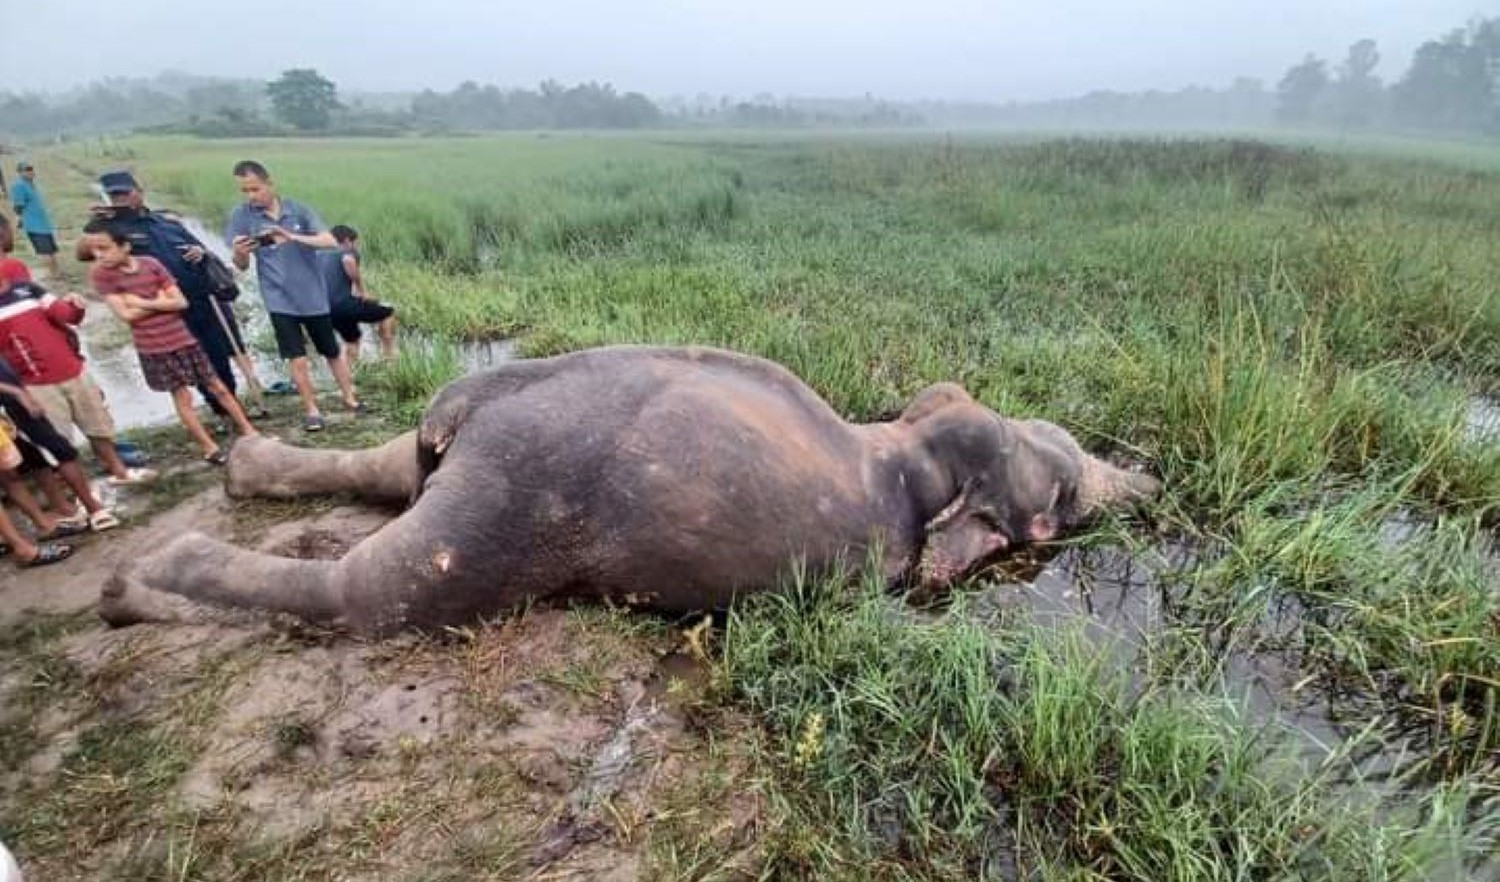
(1005, 482)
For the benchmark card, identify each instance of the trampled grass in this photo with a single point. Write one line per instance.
(1290, 336)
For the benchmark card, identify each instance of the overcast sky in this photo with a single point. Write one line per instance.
(960, 49)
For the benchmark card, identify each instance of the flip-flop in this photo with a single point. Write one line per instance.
(47, 553)
(80, 519)
(134, 476)
(63, 530)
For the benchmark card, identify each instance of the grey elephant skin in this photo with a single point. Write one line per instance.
(676, 478)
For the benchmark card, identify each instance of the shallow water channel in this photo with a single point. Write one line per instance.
(1127, 604)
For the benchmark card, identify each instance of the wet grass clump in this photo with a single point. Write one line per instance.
(403, 386)
(938, 749)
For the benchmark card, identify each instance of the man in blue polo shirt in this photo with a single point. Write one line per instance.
(284, 236)
(32, 213)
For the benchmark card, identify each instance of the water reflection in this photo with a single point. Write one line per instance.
(1132, 604)
(1482, 424)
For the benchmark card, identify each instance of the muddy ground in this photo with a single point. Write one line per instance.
(555, 744)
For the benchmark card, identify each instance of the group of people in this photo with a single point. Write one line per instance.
(171, 291)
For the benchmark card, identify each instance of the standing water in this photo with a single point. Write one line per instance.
(1483, 421)
(113, 363)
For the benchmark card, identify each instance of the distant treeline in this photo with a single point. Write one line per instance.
(1452, 84)
(1246, 103)
(302, 101)
(121, 103)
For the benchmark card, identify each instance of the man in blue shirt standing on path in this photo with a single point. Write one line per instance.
(32, 212)
(284, 237)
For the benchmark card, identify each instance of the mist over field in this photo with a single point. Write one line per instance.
(888, 64)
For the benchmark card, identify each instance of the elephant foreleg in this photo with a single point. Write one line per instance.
(388, 474)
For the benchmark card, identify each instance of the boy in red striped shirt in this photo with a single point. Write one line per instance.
(143, 294)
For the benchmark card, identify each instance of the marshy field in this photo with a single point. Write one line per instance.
(1286, 668)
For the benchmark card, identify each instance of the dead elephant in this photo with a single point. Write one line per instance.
(677, 477)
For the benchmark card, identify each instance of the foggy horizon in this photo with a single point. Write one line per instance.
(943, 50)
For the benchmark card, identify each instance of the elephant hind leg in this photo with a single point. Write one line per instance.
(194, 578)
(432, 566)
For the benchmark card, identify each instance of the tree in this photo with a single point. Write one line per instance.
(303, 98)
(1451, 82)
(1358, 93)
(1298, 92)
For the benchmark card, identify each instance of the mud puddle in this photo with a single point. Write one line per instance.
(1128, 604)
(472, 355)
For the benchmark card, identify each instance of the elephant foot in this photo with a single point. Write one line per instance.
(126, 600)
(252, 469)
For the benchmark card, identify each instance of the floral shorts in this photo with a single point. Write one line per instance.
(178, 369)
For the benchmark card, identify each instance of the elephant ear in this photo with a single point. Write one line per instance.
(957, 539)
(933, 399)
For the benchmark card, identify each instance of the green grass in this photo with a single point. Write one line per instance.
(1289, 334)
(928, 750)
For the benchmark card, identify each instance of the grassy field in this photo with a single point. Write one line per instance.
(1294, 338)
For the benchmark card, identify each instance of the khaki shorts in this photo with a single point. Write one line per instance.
(77, 402)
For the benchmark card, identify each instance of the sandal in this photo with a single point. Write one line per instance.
(133, 476)
(79, 518)
(218, 457)
(102, 520)
(47, 553)
(63, 530)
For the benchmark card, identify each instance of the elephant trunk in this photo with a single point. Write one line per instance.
(1103, 487)
(387, 474)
